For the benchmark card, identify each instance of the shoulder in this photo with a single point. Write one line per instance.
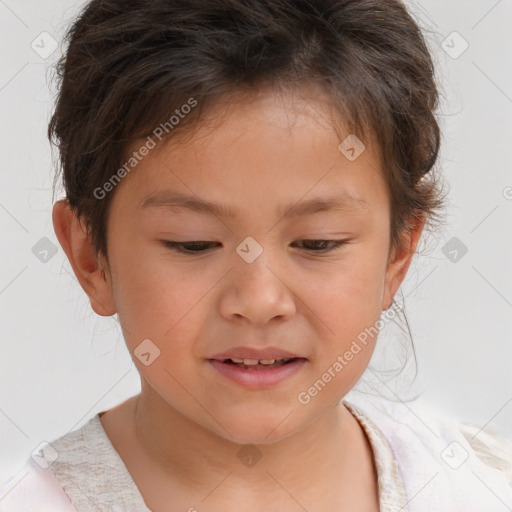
(44, 478)
(491, 447)
(91, 472)
(417, 428)
(34, 488)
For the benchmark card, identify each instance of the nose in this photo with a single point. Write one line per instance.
(257, 292)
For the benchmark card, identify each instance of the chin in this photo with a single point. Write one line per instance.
(256, 429)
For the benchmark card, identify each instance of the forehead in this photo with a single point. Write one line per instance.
(257, 148)
(179, 202)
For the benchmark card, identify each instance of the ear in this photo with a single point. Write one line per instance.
(400, 259)
(79, 249)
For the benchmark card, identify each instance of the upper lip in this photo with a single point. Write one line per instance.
(255, 353)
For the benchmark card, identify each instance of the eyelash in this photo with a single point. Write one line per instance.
(181, 246)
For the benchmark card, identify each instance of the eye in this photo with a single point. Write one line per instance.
(322, 245)
(189, 247)
(199, 246)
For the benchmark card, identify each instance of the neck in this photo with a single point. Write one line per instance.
(326, 455)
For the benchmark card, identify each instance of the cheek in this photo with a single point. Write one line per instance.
(161, 300)
(347, 304)
(163, 303)
(350, 292)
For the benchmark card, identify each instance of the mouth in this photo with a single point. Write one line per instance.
(259, 364)
(258, 374)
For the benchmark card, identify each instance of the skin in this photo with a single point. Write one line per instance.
(179, 438)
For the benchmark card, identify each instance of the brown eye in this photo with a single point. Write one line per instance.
(189, 247)
(322, 245)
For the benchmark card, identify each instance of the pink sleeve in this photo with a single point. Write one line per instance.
(34, 489)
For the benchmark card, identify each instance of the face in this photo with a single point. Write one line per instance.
(290, 258)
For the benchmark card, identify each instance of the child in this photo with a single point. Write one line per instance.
(246, 185)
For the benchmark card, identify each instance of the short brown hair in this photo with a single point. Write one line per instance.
(129, 64)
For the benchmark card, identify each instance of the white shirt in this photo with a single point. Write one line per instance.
(94, 477)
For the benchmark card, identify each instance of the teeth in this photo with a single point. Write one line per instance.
(250, 362)
(254, 362)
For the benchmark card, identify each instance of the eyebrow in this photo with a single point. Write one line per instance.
(174, 200)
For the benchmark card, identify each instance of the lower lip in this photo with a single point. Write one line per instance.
(257, 379)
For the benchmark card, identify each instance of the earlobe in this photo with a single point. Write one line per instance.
(81, 255)
(400, 261)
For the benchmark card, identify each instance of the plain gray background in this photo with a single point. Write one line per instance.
(61, 363)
